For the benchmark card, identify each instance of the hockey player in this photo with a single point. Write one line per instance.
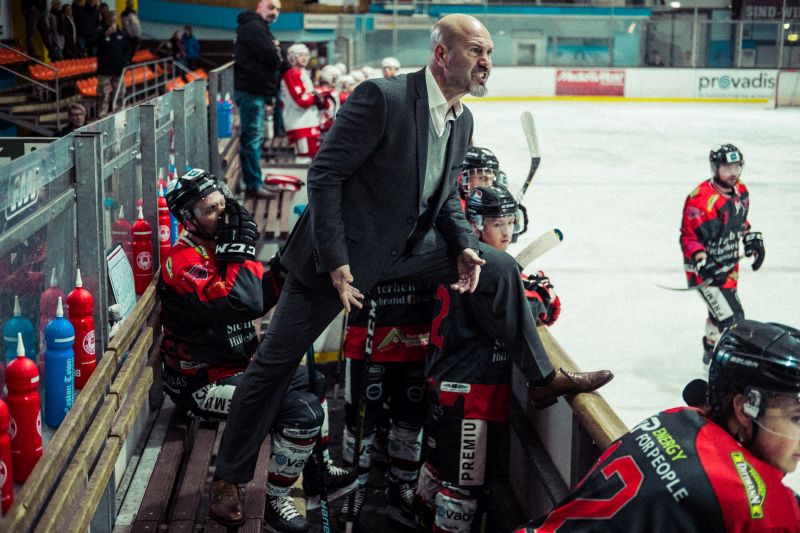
(712, 468)
(469, 379)
(346, 84)
(328, 78)
(714, 218)
(480, 169)
(211, 290)
(390, 66)
(301, 104)
(397, 378)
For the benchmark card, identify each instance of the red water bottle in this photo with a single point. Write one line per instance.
(163, 228)
(142, 254)
(6, 477)
(25, 428)
(48, 303)
(121, 233)
(81, 307)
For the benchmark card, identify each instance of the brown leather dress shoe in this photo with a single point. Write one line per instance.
(226, 504)
(566, 382)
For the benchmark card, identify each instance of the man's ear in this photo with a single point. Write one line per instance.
(744, 422)
(439, 53)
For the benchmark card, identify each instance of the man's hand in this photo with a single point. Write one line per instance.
(349, 295)
(469, 270)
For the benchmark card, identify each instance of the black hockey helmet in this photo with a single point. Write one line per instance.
(190, 188)
(725, 154)
(477, 160)
(757, 358)
(494, 202)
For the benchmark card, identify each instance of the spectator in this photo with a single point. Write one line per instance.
(191, 47)
(131, 27)
(256, 72)
(112, 58)
(656, 60)
(77, 118)
(89, 27)
(176, 45)
(34, 12)
(53, 39)
(70, 33)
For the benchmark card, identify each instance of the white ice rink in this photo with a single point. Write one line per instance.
(613, 178)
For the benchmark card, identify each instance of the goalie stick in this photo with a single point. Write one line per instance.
(541, 244)
(529, 130)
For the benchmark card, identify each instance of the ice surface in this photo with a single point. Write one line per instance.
(613, 178)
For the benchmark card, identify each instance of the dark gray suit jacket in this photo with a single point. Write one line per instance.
(365, 182)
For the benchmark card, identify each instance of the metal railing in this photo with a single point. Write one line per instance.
(162, 70)
(55, 88)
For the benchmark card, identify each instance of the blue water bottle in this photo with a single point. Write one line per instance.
(225, 117)
(59, 365)
(19, 324)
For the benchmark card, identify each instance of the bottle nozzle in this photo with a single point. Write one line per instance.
(20, 346)
(60, 308)
(78, 280)
(53, 280)
(140, 215)
(17, 308)
(121, 212)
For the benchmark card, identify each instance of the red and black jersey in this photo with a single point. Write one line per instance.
(713, 221)
(677, 471)
(402, 323)
(207, 310)
(465, 361)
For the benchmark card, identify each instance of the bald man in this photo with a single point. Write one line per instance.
(384, 205)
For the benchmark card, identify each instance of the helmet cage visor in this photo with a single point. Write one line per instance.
(479, 220)
(777, 413)
(487, 175)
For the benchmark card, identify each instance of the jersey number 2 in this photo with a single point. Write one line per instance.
(582, 509)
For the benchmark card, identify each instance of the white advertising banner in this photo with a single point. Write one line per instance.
(739, 84)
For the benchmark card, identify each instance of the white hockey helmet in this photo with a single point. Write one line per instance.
(295, 51)
(390, 62)
(329, 74)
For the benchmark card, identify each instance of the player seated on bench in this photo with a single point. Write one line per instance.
(468, 372)
(212, 289)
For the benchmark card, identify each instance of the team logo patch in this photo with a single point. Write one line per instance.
(202, 251)
(196, 272)
(168, 267)
(754, 487)
(451, 386)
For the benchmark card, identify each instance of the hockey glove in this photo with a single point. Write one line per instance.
(319, 101)
(754, 246)
(708, 268)
(236, 234)
(540, 284)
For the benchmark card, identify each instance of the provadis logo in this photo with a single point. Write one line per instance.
(743, 82)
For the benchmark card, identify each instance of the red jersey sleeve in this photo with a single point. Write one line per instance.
(294, 83)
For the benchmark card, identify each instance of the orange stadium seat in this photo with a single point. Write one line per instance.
(9, 56)
(143, 55)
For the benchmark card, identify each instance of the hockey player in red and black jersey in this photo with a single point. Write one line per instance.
(480, 169)
(211, 291)
(468, 374)
(714, 219)
(717, 467)
(397, 379)
(301, 104)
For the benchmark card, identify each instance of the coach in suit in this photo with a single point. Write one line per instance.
(383, 205)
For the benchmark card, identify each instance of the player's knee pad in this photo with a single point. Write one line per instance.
(349, 446)
(405, 449)
(456, 508)
(288, 457)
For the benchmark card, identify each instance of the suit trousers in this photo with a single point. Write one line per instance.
(304, 312)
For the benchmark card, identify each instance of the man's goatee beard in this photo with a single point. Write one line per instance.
(477, 90)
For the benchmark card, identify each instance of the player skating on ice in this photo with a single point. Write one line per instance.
(717, 467)
(714, 219)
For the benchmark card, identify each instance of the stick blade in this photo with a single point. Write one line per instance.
(542, 244)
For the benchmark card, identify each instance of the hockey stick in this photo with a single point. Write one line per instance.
(340, 358)
(529, 130)
(324, 510)
(372, 305)
(703, 285)
(543, 243)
